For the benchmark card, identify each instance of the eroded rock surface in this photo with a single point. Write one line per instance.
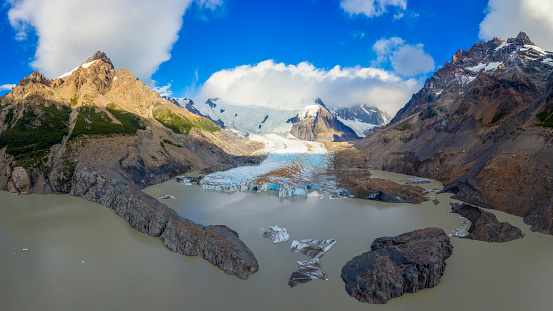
(395, 265)
(485, 226)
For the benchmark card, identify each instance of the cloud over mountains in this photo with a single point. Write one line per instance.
(506, 18)
(135, 34)
(293, 86)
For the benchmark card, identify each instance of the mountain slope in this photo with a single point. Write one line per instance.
(482, 125)
(103, 135)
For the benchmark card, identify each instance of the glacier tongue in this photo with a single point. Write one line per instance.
(292, 167)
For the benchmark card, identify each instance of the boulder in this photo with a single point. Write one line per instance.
(20, 181)
(395, 265)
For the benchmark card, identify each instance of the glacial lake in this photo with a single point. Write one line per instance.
(64, 253)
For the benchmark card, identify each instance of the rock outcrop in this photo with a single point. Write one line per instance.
(406, 263)
(362, 186)
(219, 245)
(485, 226)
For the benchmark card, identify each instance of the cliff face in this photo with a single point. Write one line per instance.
(103, 135)
(482, 125)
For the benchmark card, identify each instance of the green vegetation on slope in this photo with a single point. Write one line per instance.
(181, 124)
(498, 116)
(92, 121)
(35, 132)
(546, 118)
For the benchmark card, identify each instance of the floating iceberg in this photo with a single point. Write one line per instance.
(311, 269)
(312, 248)
(415, 181)
(276, 234)
(167, 196)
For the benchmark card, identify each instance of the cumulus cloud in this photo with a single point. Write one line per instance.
(7, 87)
(294, 86)
(135, 34)
(164, 90)
(372, 8)
(407, 60)
(506, 18)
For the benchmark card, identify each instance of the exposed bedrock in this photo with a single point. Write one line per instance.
(485, 226)
(362, 186)
(395, 265)
(219, 245)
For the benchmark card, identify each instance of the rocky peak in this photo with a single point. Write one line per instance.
(99, 55)
(35, 77)
(483, 60)
(521, 39)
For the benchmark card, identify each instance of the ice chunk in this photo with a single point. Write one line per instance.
(312, 248)
(167, 196)
(415, 181)
(276, 234)
(309, 270)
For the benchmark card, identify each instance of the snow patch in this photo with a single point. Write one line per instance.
(502, 45)
(360, 128)
(533, 47)
(548, 61)
(85, 65)
(477, 68)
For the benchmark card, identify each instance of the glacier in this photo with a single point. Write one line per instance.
(292, 167)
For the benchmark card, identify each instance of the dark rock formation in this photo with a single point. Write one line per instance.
(219, 245)
(396, 265)
(485, 226)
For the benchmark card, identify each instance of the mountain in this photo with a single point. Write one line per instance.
(313, 122)
(101, 134)
(482, 124)
(361, 118)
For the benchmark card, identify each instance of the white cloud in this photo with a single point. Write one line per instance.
(164, 90)
(135, 34)
(407, 60)
(371, 8)
(506, 18)
(7, 87)
(295, 86)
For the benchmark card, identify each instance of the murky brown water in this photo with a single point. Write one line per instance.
(127, 270)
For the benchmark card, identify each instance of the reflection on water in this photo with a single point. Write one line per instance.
(81, 256)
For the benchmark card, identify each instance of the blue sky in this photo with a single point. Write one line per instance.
(215, 35)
